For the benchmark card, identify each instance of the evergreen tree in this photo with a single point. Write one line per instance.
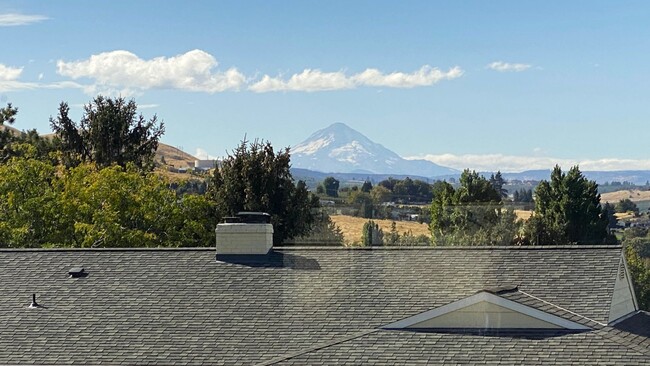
(366, 187)
(110, 132)
(568, 211)
(256, 178)
(497, 182)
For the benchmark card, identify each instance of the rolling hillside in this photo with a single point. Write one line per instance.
(174, 157)
(633, 195)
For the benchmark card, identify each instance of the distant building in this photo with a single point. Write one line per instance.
(206, 164)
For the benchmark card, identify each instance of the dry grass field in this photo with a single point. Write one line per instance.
(174, 157)
(634, 195)
(352, 226)
(523, 214)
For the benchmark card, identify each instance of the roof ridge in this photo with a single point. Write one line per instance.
(326, 248)
(429, 247)
(563, 309)
(125, 249)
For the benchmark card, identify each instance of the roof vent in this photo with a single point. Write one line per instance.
(77, 272)
(34, 304)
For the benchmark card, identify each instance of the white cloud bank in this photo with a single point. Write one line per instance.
(505, 66)
(15, 19)
(316, 80)
(126, 73)
(513, 163)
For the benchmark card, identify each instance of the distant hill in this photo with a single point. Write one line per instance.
(4, 127)
(174, 157)
(638, 177)
(313, 178)
(341, 149)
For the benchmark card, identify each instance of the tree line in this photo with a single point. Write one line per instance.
(92, 184)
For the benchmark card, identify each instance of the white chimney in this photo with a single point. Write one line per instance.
(247, 233)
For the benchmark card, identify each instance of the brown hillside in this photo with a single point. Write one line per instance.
(174, 157)
(12, 129)
(633, 195)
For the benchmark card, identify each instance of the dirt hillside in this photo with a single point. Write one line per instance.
(634, 195)
(174, 157)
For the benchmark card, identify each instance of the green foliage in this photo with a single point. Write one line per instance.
(110, 132)
(256, 178)
(626, 205)
(25, 144)
(637, 254)
(497, 182)
(323, 232)
(379, 194)
(366, 187)
(43, 205)
(371, 234)
(470, 215)
(608, 211)
(407, 190)
(567, 211)
(523, 195)
(363, 201)
(331, 186)
(28, 203)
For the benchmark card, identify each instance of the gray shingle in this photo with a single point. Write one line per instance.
(154, 306)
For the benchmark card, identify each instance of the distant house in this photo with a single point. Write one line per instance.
(205, 164)
(312, 306)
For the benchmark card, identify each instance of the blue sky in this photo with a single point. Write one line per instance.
(507, 85)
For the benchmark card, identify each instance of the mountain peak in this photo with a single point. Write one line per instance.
(341, 149)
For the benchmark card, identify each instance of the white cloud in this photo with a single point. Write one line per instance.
(315, 80)
(513, 163)
(202, 154)
(9, 79)
(148, 106)
(308, 80)
(8, 73)
(424, 77)
(505, 66)
(122, 72)
(14, 19)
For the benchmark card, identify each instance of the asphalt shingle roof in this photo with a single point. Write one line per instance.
(304, 306)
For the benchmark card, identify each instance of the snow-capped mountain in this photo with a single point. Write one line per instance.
(340, 149)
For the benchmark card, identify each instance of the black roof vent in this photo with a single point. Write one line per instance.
(254, 217)
(77, 272)
(34, 304)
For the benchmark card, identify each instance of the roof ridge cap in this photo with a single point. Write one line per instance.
(124, 249)
(430, 247)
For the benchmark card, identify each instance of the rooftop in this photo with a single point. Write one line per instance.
(302, 305)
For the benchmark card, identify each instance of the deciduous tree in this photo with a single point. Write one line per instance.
(331, 186)
(471, 214)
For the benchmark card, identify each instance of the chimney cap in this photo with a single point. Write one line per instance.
(76, 272)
